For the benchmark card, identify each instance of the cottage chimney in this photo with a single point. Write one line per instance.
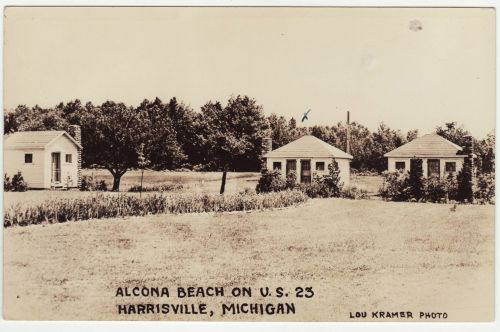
(267, 146)
(469, 160)
(348, 135)
(76, 132)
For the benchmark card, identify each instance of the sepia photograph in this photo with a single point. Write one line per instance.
(249, 164)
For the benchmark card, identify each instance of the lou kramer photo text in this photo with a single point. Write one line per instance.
(422, 315)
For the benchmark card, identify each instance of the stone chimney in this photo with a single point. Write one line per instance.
(76, 132)
(267, 146)
(469, 151)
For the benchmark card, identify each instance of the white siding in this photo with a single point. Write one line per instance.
(64, 146)
(33, 173)
(344, 166)
(38, 173)
(458, 160)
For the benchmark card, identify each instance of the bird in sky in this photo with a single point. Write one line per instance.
(305, 115)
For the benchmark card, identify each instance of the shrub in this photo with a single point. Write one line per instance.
(16, 184)
(7, 185)
(353, 192)
(331, 183)
(484, 191)
(291, 180)
(415, 179)
(88, 183)
(464, 188)
(112, 206)
(396, 186)
(270, 181)
(163, 187)
(313, 189)
(435, 190)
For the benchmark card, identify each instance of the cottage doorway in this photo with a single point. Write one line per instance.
(305, 171)
(433, 168)
(56, 167)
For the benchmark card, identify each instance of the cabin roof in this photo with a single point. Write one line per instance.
(430, 145)
(35, 139)
(308, 147)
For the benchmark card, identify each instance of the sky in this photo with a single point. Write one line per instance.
(409, 68)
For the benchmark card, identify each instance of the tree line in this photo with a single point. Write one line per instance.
(171, 135)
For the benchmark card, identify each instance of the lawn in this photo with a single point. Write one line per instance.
(357, 255)
(200, 182)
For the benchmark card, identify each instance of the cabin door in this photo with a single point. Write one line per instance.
(305, 171)
(433, 167)
(56, 167)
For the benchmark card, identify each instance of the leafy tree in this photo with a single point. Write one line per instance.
(161, 148)
(232, 136)
(384, 140)
(453, 133)
(411, 135)
(112, 134)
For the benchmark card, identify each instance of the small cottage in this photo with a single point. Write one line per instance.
(46, 159)
(440, 157)
(307, 156)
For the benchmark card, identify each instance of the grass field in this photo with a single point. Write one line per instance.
(199, 182)
(357, 255)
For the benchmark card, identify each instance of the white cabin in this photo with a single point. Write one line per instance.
(46, 159)
(308, 156)
(440, 157)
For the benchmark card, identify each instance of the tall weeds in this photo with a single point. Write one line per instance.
(101, 205)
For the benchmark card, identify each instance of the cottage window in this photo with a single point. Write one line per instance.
(400, 165)
(28, 158)
(69, 158)
(450, 166)
(277, 165)
(291, 165)
(320, 166)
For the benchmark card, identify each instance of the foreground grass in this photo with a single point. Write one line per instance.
(357, 255)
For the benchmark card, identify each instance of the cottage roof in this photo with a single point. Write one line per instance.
(34, 139)
(308, 147)
(430, 145)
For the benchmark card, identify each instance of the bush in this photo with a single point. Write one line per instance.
(353, 192)
(415, 179)
(396, 186)
(271, 181)
(113, 206)
(7, 185)
(88, 183)
(16, 184)
(484, 191)
(163, 187)
(291, 180)
(464, 189)
(435, 190)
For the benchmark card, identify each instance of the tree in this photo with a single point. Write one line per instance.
(162, 149)
(415, 180)
(384, 140)
(112, 134)
(233, 135)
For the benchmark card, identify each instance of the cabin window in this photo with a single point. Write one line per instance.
(277, 165)
(320, 166)
(400, 165)
(291, 165)
(69, 158)
(450, 166)
(28, 158)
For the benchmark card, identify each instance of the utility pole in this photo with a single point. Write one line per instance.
(348, 136)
